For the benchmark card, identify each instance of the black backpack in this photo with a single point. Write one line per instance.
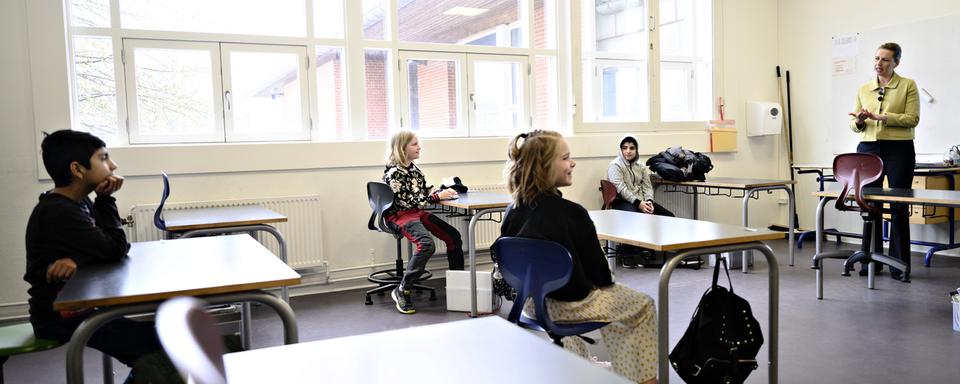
(678, 164)
(722, 341)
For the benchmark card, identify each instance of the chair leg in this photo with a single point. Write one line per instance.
(3, 360)
(379, 290)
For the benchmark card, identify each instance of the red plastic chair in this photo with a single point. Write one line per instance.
(609, 193)
(854, 171)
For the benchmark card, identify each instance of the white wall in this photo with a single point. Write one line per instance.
(198, 172)
(806, 29)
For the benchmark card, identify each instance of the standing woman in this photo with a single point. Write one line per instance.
(538, 163)
(886, 114)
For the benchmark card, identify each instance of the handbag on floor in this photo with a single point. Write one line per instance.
(722, 341)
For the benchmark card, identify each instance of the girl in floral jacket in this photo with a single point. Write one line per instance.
(411, 194)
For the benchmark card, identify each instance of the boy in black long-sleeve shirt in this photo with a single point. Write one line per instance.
(67, 231)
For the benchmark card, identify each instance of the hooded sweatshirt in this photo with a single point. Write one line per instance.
(631, 178)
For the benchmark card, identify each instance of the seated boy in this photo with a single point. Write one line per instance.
(67, 231)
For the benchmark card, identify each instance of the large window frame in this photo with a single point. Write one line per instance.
(353, 44)
(588, 90)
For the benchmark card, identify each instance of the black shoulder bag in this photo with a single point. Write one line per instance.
(722, 341)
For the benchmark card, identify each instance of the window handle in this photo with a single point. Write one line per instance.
(227, 98)
(653, 23)
(474, 103)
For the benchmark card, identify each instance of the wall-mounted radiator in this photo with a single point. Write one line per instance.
(302, 231)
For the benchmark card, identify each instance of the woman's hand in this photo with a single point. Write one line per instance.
(865, 114)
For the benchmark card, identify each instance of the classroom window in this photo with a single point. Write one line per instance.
(379, 92)
(96, 106)
(489, 23)
(433, 86)
(498, 84)
(247, 17)
(646, 61)
(331, 93)
(217, 71)
(173, 92)
(686, 65)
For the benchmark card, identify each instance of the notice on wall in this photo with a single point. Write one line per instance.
(844, 54)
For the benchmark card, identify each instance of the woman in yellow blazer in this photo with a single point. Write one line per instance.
(886, 115)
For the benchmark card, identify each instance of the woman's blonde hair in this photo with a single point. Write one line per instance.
(397, 147)
(530, 159)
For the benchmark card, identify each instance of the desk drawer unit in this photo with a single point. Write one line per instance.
(930, 215)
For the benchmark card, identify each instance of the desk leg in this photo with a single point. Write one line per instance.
(107, 369)
(791, 219)
(96, 320)
(663, 308)
(472, 247)
(818, 249)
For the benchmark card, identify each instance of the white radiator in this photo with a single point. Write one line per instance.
(681, 204)
(302, 231)
(487, 230)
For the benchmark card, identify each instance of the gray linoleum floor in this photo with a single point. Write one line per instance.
(898, 333)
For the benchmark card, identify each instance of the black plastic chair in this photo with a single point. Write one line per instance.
(158, 214)
(381, 199)
(535, 268)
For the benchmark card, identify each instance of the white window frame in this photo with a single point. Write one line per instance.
(526, 93)
(129, 64)
(584, 87)
(406, 120)
(303, 74)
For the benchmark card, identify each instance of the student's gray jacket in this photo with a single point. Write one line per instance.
(632, 179)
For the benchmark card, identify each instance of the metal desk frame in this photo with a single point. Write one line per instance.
(745, 219)
(90, 325)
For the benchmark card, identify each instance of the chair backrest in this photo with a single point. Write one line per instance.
(158, 215)
(191, 338)
(381, 199)
(854, 171)
(609, 192)
(534, 268)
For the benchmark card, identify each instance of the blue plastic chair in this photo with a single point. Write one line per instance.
(535, 268)
(158, 215)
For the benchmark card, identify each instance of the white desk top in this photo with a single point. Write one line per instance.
(158, 270)
(479, 200)
(221, 217)
(664, 233)
(937, 197)
(484, 350)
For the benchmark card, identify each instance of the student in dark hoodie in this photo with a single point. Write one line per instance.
(632, 178)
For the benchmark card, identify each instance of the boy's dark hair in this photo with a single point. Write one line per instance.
(64, 147)
(629, 139)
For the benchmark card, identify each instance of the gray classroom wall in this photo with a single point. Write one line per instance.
(746, 73)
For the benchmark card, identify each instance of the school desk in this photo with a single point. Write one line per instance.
(221, 269)
(690, 238)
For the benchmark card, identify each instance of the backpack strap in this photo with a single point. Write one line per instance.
(716, 272)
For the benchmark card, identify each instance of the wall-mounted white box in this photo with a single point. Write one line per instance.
(764, 118)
